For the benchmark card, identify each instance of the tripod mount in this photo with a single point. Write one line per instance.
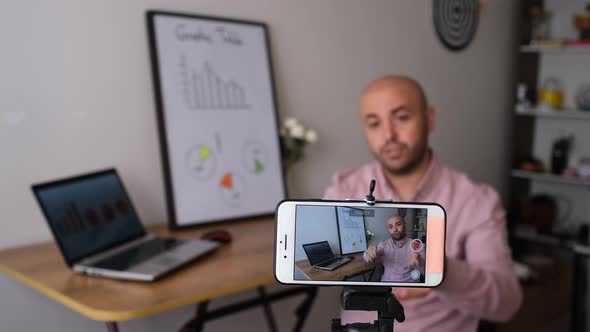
(378, 299)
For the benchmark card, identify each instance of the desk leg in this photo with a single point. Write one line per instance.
(372, 272)
(267, 310)
(304, 308)
(196, 324)
(112, 326)
(263, 299)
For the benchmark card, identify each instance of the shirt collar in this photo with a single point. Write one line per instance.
(430, 178)
(405, 241)
(425, 186)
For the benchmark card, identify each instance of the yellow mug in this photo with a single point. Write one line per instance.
(553, 98)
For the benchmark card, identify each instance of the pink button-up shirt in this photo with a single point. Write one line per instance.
(395, 260)
(479, 280)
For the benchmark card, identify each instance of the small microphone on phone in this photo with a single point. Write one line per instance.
(370, 199)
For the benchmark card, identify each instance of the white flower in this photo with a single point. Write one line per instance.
(298, 131)
(291, 122)
(311, 136)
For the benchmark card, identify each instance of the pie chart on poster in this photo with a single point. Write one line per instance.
(254, 157)
(233, 188)
(200, 161)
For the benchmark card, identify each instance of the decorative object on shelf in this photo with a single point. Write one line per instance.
(583, 234)
(541, 24)
(570, 172)
(455, 22)
(523, 105)
(582, 23)
(551, 94)
(583, 167)
(543, 211)
(531, 164)
(583, 97)
(294, 138)
(560, 153)
(370, 235)
(539, 211)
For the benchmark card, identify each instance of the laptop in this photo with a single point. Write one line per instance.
(320, 256)
(99, 232)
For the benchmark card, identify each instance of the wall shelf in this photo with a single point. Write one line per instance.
(551, 241)
(569, 114)
(545, 177)
(536, 238)
(556, 49)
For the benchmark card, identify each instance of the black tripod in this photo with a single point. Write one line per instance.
(378, 299)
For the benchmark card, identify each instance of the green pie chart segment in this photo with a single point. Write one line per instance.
(258, 166)
(254, 157)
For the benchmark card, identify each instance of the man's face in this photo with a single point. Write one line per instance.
(396, 126)
(396, 227)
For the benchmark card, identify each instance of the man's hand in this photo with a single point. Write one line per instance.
(411, 293)
(371, 254)
(414, 261)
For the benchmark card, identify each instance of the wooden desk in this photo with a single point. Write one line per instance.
(245, 263)
(355, 267)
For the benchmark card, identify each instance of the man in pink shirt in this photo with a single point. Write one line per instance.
(479, 281)
(400, 262)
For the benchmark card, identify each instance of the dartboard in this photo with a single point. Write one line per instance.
(455, 22)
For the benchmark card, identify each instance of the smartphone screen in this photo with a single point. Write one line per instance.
(350, 243)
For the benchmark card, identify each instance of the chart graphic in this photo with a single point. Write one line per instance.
(351, 227)
(122, 207)
(91, 216)
(201, 161)
(233, 188)
(254, 157)
(108, 213)
(204, 89)
(70, 221)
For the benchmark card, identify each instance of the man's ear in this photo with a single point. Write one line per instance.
(430, 117)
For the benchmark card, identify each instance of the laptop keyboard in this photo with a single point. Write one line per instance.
(138, 254)
(329, 261)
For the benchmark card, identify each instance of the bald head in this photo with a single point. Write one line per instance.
(397, 120)
(396, 226)
(398, 82)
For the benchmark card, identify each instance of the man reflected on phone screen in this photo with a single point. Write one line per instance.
(400, 262)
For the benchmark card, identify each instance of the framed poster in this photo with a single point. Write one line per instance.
(351, 230)
(217, 117)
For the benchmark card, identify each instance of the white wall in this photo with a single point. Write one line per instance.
(315, 224)
(76, 95)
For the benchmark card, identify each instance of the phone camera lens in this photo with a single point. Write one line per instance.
(285, 256)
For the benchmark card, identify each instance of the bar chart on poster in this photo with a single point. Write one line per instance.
(351, 229)
(218, 122)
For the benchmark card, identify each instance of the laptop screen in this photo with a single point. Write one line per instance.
(88, 214)
(318, 252)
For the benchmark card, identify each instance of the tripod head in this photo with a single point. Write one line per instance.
(378, 299)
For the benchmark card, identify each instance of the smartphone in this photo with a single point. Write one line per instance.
(351, 243)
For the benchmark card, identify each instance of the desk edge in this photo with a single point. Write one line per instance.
(124, 315)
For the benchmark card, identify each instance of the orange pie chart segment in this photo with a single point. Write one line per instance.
(227, 181)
